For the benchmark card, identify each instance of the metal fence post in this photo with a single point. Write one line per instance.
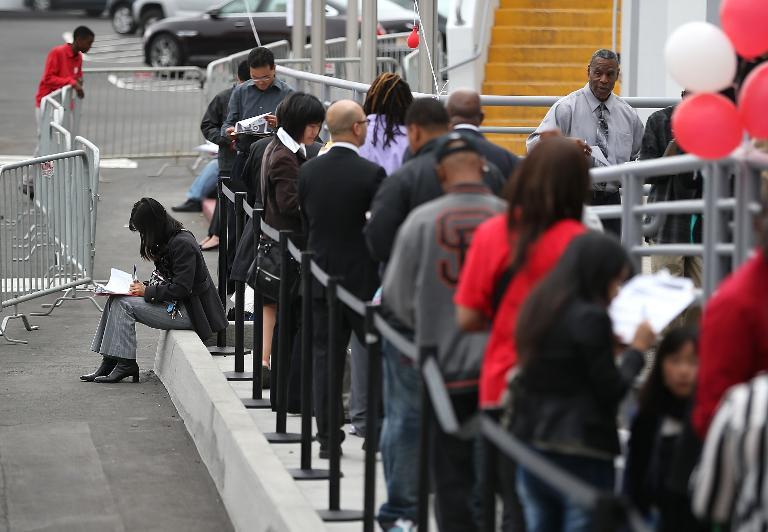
(221, 349)
(334, 513)
(373, 346)
(239, 374)
(744, 190)
(306, 472)
(631, 227)
(283, 347)
(713, 230)
(256, 400)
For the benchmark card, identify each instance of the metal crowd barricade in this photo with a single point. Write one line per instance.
(123, 106)
(46, 241)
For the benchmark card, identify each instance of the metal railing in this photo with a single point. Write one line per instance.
(730, 199)
(143, 112)
(47, 222)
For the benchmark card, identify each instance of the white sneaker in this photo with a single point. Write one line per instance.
(403, 525)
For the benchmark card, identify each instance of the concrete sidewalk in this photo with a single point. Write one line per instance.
(82, 456)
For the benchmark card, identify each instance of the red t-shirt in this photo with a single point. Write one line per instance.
(733, 345)
(487, 258)
(62, 68)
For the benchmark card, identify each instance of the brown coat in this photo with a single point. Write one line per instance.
(280, 173)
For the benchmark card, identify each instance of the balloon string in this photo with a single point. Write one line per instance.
(438, 90)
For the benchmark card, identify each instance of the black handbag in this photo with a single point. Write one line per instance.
(264, 273)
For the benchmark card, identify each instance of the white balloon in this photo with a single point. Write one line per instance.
(700, 57)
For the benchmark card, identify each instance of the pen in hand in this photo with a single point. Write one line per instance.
(135, 276)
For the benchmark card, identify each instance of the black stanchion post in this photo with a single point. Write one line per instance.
(256, 400)
(488, 488)
(221, 348)
(305, 472)
(239, 374)
(424, 443)
(283, 347)
(373, 345)
(334, 513)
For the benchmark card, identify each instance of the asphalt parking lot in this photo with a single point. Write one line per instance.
(78, 456)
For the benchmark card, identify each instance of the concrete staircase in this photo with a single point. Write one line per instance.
(541, 48)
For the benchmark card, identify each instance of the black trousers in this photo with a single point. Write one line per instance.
(609, 198)
(454, 474)
(349, 322)
(293, 395)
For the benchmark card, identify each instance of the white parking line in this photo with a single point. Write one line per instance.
(112, 49)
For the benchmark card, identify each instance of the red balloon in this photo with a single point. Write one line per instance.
(413, 38)
(746, 24)
(707, 125)
(753, 102)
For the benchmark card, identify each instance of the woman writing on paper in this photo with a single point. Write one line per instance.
(180, 294)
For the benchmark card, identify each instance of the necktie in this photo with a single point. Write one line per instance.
(602, 129)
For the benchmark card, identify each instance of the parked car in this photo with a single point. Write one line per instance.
(93, 8)
(226, 29)
(121, 15)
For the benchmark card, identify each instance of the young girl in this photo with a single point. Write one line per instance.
(653, 479)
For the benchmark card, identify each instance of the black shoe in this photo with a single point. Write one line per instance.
(123, 369)
(189, 206)
(325, 453)
(107, 365)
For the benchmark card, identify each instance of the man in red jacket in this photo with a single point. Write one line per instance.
(64, 66)
(734, 331)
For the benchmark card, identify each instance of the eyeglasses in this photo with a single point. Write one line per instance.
(366, 121)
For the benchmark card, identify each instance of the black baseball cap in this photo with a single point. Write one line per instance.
(454, 142)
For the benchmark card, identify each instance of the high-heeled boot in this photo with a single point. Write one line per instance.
(107, 365)
(124, 368)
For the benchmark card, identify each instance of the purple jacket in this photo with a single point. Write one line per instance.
(391, 157)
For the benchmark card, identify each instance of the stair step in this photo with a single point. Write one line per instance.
(579, 18)
(516, 122)
(494, 113)
(514, 143)
(556, 4)
(535, 72)
(501, 53)
(596, 37)
(530, 88)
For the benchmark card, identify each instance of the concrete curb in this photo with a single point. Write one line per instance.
(257, 491)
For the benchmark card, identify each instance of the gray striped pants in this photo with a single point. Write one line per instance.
(116, 333)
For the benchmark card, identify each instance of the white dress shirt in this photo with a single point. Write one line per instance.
(347, 145)
(290, 143)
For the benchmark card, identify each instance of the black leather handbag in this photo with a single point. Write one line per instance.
(264, 273)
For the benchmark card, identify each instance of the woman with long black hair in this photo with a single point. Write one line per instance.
(566, 394)
(180, 294)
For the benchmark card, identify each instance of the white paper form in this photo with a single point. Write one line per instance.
(657, 299)
(119, 284)
(255, 125)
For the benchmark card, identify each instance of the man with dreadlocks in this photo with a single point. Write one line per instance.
(386, 103)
